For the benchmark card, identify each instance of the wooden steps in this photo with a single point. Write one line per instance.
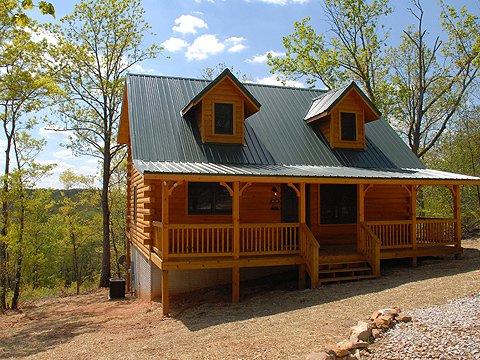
(344, 271)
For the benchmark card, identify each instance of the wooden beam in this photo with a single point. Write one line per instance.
(407, 189)
(366, 188)
(458, 219)
(226, 186)
(302, 204)
(236, 219)
(307, 180)
(297, 191)
(174, 186)
(361, 190)
(235, 284)
(165, 302)
(244, 187)
(413, 218)
(165, 220)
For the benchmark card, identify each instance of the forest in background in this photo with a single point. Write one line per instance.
(55, 241)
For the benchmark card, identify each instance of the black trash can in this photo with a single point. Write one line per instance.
(117, 288)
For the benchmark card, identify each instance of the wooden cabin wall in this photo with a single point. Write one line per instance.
(139, 228)
(255, 207)
(387, 202)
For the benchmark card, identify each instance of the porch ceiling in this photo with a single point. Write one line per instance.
(297, 171)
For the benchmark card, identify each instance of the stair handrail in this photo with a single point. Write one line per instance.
(370, 246)
(309, 248)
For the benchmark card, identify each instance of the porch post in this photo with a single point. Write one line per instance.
(458, 219)
(165, 304)
(302, 205)
(165, 220)
(235, 284)
(236, 219)
(361, 212)
(413, 218)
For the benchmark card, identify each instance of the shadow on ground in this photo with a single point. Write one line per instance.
(44, 328)
(278, 294)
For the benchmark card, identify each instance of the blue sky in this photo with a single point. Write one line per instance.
(203, 33)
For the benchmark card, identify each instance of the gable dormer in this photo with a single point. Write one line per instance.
(221, 108)
(341, 116)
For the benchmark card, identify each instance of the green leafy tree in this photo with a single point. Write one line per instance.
(24, 86)
(430, 79)
(98, 43)
(353, 51)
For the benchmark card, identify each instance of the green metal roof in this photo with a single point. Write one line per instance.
(327, 101)
(276, 135)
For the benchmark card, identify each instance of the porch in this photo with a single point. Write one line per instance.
(234, 244)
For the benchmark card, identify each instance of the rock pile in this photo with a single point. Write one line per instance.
(363, 334)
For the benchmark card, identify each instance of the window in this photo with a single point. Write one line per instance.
(224, 119)
(348, 126)
(338, 204)
(208, 198)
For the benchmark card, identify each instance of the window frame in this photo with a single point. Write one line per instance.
(232, 105)
(341, 126)
(214, 192)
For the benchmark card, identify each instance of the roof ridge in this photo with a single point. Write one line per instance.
(208, 81)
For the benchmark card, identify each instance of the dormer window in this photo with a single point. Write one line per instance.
(348, 126)
(220, 110)
(224, 119)
(340, 116)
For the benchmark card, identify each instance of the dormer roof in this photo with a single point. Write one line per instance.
(252, 104)
(322, 105)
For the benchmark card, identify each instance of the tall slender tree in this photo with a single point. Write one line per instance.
(97, 44)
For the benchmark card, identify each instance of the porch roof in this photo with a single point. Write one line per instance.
(300, 171)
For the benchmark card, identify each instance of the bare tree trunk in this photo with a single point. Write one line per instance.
(106, 267)
(115, 250)
(75, 258)
(18, 272)
(3, 230)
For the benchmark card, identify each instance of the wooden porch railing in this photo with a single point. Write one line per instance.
(309, 248)
(269, 239)
(158, 237)
(392, 234)
(370, 247)
(427, 232)
(431, 232)
(195, 240)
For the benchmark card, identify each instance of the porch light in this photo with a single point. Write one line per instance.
(275, 201)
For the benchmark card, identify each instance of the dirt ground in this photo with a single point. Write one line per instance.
(272, 322)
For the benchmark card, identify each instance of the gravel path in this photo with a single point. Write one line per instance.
(450, 331)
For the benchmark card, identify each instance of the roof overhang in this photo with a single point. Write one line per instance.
(297, 173)
(124, 127)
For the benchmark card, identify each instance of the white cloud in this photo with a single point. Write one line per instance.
(79, 167)
(235, 44)
(204, 46)
(174, 44)
(272, 80)
(258, 59)
(188, 24)
(140, 69)
(41, 34)
(283, 2)
(63, 154)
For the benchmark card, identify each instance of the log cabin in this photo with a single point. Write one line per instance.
(230, 181)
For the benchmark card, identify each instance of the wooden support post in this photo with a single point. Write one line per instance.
(302, 276)
(235, 285)
(458, 220)
(129, 264)
(165, 220)
(361, 213)
(165, 303)
(236, 219)
(413, 218)
(302, 204)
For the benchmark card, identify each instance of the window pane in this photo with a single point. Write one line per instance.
(223, 200)
(349, 126)
(338, 204)
(200, 198)
(224, 119)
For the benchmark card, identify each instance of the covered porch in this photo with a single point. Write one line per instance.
(224, 241)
